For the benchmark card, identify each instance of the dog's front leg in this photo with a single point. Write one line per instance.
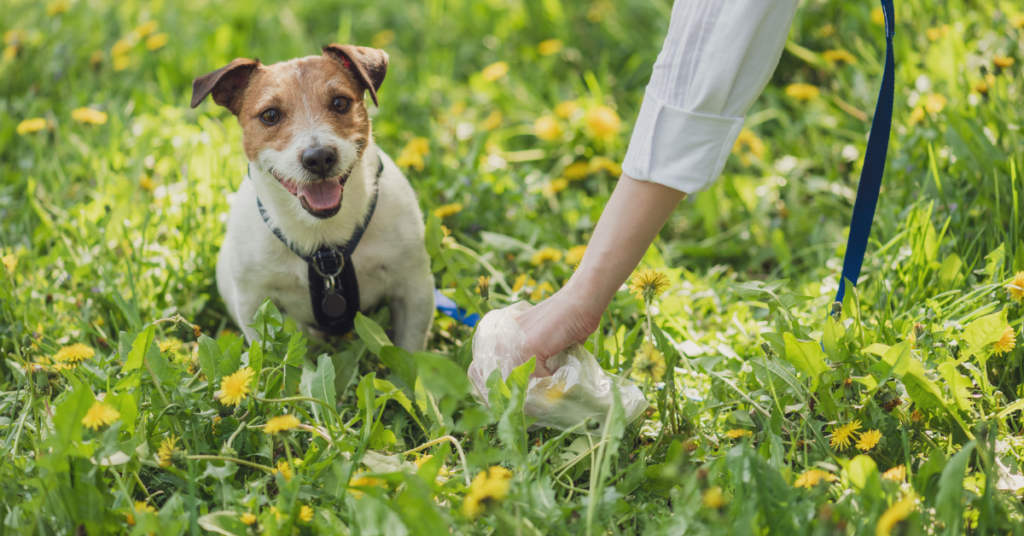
(412, 312)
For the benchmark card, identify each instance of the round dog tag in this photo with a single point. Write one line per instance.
(334, 305)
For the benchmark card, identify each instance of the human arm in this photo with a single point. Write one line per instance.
(717, 58)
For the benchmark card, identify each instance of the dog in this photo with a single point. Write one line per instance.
(317, 187)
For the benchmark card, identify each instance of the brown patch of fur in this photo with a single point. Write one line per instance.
(301, 90)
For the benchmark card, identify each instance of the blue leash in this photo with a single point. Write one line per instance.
(874, 165)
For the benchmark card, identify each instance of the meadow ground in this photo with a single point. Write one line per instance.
(897, 414)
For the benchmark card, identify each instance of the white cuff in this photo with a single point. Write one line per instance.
(683, 150)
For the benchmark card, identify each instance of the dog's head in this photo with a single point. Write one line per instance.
(305, 120)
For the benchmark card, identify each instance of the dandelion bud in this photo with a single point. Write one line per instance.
(767, 349)
(919, 331)
(196, 330)
(837, 308)
(591, 424)
(484, 287)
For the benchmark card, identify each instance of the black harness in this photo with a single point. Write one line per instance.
(333, 288)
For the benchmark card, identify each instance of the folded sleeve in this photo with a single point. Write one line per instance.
(717, 58)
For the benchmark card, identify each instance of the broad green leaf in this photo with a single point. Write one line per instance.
(256, 358)
(366, 399)
(293, 357)
(958, 384)
(982, 333)
(371, 333)
(951, 490)
(231, 359)
(863, 472)
(807, 357)
(394, 393)
(268, 321)
(401, 363)
(770, 371)
(209, 357)
(159, 366)
(923, 391)
(441, 376)
(894, 362)
(831, 337)
(322, 387)
(124, 403)
(67, 418)
(139, 349)
(498, 394)
(950, 273)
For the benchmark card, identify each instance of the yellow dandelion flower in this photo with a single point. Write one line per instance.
(649, 364)
(284, 469)
(546, 128)
(646, 284)
(916, 115)
(121, 47)
(599, 163)
(100, 415)
(156, 41)
(276, 512)
(842, 436)
(306, 513)
(738, 433)
(938, 32)
(492, 121)
(10, 262)
(603, 121)
(544, 255)
(839, 56)
(565, 109)
(74, 353)
(248, 518)
(361, 480)
(494, 71)
(1017, 21)
(140, 507)
(522, 281)
(981, 87)
(412, 154)
(869, 439)
(483, 286)
(898, 473)
(555, 186)
(749, 141)
(121, 63)
(168, 448)
(896, 513)
(713, 498)
(1016, 287)
(1003, 62)
(56, 7)
(812, 477)
(29, 126)
(550, 46)
(10, 52)
(147, 183)
(488, 487)
(541, 291)
(281, 423)
(236, 387)
(575, 255)
(576, 171)
(934, 103)
(804, 92)
(169, 345)
(1005, 343)
(89, 116)
(916, 416)
(147, 28)
(445, 211)
(878, 16)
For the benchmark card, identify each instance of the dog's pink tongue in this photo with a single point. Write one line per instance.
(322, 195)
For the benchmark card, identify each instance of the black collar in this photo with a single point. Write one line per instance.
(333, 288)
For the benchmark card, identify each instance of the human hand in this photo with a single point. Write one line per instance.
(557, 322)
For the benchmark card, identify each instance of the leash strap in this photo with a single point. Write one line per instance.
(874, 165)
(333, 287)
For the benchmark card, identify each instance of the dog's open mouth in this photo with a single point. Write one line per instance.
(322, 198)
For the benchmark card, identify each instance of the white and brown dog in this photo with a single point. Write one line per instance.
(317, 183)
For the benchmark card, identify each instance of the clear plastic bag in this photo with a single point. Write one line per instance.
(579, 389)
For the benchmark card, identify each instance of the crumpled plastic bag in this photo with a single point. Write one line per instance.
(579, 389)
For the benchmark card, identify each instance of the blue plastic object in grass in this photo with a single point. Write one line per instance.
(874, 165)
(448, 307)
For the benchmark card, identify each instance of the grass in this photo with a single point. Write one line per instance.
(111, 224)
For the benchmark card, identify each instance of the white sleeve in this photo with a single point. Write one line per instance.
(717, 58)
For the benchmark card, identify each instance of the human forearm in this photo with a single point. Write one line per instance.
(635, 213)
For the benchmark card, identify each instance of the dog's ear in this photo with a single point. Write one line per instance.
(225, 83)
(369, 64)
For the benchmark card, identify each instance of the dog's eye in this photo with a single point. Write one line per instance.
(270, 117)
(340, 104)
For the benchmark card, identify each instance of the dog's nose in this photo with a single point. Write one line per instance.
(319, 160)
